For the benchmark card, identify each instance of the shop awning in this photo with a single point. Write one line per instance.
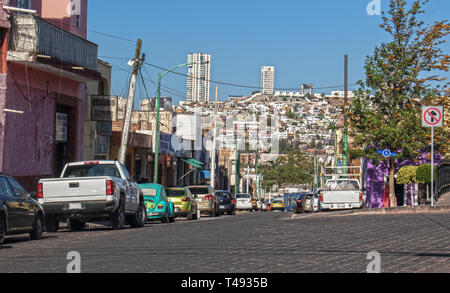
(194, 163)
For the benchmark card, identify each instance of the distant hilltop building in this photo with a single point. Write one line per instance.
(199, 76)
(267, 80)
(307, 89)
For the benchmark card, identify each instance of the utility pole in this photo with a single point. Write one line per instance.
(236, 170)
(213, 149)
(126, 124)
(345, 115)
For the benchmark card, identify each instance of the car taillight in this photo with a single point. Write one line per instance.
(160, 206)
(233, 201)
(360, 196)
(251, 201)
(109, 187)
(185, 199)
(39, 191)
(321, 197)
(208, 197)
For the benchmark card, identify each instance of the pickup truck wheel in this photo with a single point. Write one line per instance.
(138, 220)
(76, 225)
(2, 229)
(118, 218)
(38, 227)
(51, 223)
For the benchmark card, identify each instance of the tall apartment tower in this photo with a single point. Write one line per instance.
(199, 75)
(267, 80)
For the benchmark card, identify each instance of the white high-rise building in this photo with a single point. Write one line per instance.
(199, 75)
(267, 80)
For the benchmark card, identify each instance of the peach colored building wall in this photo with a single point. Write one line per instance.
(62, 13)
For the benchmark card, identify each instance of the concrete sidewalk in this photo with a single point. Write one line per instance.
(441, 206)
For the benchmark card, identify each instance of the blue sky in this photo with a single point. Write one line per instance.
(305, 40)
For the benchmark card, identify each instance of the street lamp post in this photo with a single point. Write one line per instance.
(157, 131)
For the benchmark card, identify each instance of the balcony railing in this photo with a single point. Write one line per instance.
(35, 36)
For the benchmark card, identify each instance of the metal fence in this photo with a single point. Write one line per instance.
(443, 178)
(34, 35)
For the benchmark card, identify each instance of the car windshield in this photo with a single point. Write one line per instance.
(243, 196)
(223, 194)
(341, 185)
(175, 192)
(91, 171)
(199, 190)
(149, 191)
(277, 201)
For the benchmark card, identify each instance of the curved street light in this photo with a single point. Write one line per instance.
(157, 131)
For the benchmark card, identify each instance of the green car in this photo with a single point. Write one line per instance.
(184, 202)
(158, 205)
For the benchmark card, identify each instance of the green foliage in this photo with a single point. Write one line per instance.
(295, 167)
(407, 175)
(423, 173)
(386, 112)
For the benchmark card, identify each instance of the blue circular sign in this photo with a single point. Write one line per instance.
(387, 153)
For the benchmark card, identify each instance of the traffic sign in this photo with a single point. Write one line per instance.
(387, 153)
(432, 116)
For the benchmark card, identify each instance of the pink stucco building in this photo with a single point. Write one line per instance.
(45, 63)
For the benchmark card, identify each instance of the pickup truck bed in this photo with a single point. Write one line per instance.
(90, 191)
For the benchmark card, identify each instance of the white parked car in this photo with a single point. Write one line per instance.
(244, 202)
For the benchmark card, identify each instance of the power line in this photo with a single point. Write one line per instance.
(239, 85)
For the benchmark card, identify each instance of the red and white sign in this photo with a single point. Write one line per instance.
(432, 116)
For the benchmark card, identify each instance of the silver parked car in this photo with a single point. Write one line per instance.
(311, 203)
(207, 201)
(244, 202)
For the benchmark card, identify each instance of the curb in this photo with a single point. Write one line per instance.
(423, 209)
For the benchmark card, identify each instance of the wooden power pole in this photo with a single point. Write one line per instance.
(126, 124)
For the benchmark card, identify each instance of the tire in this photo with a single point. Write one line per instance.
(196, 216)
(51, 223)
(38, 228)
(138, 219)
(118, 218)
(190, 216)
(76, 225)
(2, 229)
(165, 219)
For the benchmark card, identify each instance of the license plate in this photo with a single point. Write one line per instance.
(75, 206)
(222, 207)
(199, 199)
(342, 206)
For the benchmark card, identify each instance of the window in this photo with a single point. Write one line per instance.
(78, 21)
(5, 189)
(18, 190)
(149, 191)
(25, 4)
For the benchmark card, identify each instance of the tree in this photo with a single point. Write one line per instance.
(295, 167)
(400, 76)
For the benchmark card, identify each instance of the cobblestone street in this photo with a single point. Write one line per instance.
(245, 243)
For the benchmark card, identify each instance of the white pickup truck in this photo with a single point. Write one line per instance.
(92, 190)
(341, 194)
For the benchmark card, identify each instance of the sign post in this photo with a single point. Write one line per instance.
(432, 116)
